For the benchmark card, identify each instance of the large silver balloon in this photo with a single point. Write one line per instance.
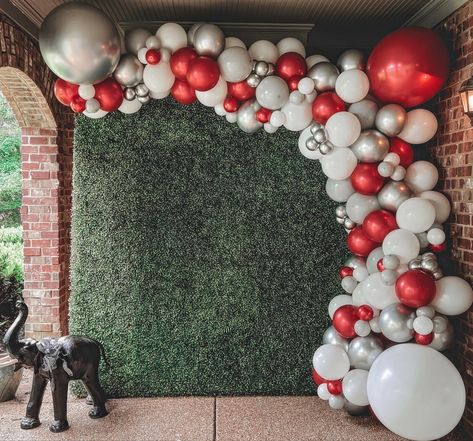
(351, 59)
(324, 75)
(246, 116)
(135, 39)
(393, 194)
(363, 351)
(365, 111)
(443, 340)
(129, 71)
(355, 410)
(332, 337)
(79, 43)
(371, 146)
(191, 32)
(394, 322)
(209, 40)
(390, 119)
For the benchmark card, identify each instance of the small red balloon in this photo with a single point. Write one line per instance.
(344, 320)
(415, 288)
(109, 94)
(231, 104)
(345, 271)
(182, 92)
(263, 115)
(424, 339)
(325, 105)
(291, 64)
(366, 180)
(180, 61)
(359, 243)
(380, 265)
(365, 312)
(438, 248)
(378, 224)
(241, 90)
(293, 83)
(203, 73)
(334, 387)
(318, 380)
(153, 56)
(77, 104)
(404, 150)
(65, 91)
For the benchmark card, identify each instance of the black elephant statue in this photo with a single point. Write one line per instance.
(58, 361)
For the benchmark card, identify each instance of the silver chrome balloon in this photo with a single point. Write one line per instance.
(135, 39)
(355, 410)
(142, 90)
(320, 135)
(390, 119)
(253, 80)
(443, 340)
(394, 322)
(393, 194)
(326, 147)
(349, 224)
(79, 43)
(351, 59)
(371, 146)
(191, 32)
(341, 220)
(261, 68)
(271, 69)
(315, 126)
(144, 99)
(311, 144)
(332, 337)
(129, 94)
(325, 75)
(246, 116)
(209, 40)
(362, 351)
(129, 71)
(365, 111)
(341, 211)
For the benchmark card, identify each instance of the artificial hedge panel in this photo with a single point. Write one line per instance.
(203, 258)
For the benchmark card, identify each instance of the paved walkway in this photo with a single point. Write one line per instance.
(197, 419)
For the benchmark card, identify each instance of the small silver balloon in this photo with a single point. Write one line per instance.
(271, 69)
(246, 116)
(351, 59)
(320, 135)
(429, 255)
(332, 337)
(429, 265)
(135, 40)
(141, 90)
(311, 144)
(326, 147)
(341, 211)
(325, 75)
(371, 146)
(437, 275)
(394, 322)
(390, 119)
(191, 32)
(129, 71)
(341, 220)
(129, 94)
(355, 262)
(415, 264)
(362, 351)
(261, 68)
(314, 127)
(355, 410)
(443, 340)
(389, 277)
(365, 111)
(253, 80)
(349, 224)
(209, 40)
(393, 194)
(144, 99)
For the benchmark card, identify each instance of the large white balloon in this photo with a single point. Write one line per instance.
(359, 206)
(337, 301)
(421, 176)
(416, 392)
(291, 44)
(234, 64)
(272, 92)
(415, 215)
(401, 243)
(130, 106)
(172, 36)
(314, 59)
(339, 164)
(159, 95)
(331, 362)
(421, 126)
(158, 77)
(358, 295)
(96, 115)
(343, 128)
(298, 116)
(303, 137)
(234, 42)
(214, 96)
(377, 293)
(264, 50)
(440, 203)
(355, 388)
(352, 85)
(339, 190)
(453, 296)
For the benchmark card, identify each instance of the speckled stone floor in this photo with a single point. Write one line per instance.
(198, 419)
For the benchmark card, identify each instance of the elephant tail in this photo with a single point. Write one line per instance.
(105, 359)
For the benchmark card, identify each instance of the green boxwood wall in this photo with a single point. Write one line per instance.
(203, 258)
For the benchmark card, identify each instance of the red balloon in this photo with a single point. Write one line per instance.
(77, 104)
(344, 321)
(380, 265)
(318, 380)
(404, 150)
(438, 248)
(365, 312)
(408, 66)
(153, 56)
(180, 61)
(334, 387)
(203, 73)
(109, 94)
(424, 339)
(345, 271)
(293, 83)
(231, 104)
(359, 243)
(378, 224)
(65, 91)
(366, 180)
(263, 115)
(291, 64)
(415, 288)
(241, 90)
(182, 92)
(325, 105)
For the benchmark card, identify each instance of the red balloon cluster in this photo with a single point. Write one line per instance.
(65, 91)
(378, 224)
(415, 288)
(263, 115)
(403, 149)
(366, 180)
(359, 243)
(109, 94)
(424, 339)
(78, 104)
(180, 61)
(203, 73)
(344, 320)
(318, 380)
(182, 92)
(291, 65)
(326, 105)
(231, 104)
(241, 90)
(365, 312)
(334, 387)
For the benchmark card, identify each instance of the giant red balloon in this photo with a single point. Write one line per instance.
(403, 149)
(366, 180)
(378, 224)
(203, 73)
(241, 90)
(325, 105)
(344, 320)
(359, 243)
(415, 288)
(65, 91)
(408, 66)
(180, 61)
(182, 92)
(109, 94)
(291, 64)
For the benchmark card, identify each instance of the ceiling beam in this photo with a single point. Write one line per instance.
(434, 12)
(20, 17)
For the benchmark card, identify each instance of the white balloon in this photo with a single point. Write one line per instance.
(234, 64)
(354, 387)
(159, 95)
(337, 301)
(291, 44)
(96, 115)
(165, 54)
(421, 176)
(421, 126)
(298, 116)
(323, 393)
(220, 110)
(272, 92)
(331, 362)
(415, 215)
(269, 128)
(343, 128)
(352, 85)
(296, 97)
(375, 325)
(440, 203)
(362, 328)
(310, 154)
(130, 107)
(277, 118)
(264, 50)
(336, 402)
(339, 164)
(214, 96)
(172, 36)
(360, 273)
(314, 59)
(306, 85)
(373, 259)
(158, 77)
(337, 190)
(141, 54)
(86, 91)
(359, 206)
(403, 244)
(153, 42)
(436, 236)
(231, 117)
(234, 42)
(311, 97)
(453, 296)
(423, 325)
(358, 295)
(416, 392)
(377, 293)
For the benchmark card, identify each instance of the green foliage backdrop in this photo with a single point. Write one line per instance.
(203, 258)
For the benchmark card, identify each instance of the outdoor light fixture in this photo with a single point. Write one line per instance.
(466, 96)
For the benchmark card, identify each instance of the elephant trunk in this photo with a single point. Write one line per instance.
(11, 339)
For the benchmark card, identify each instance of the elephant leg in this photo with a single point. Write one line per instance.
(31, 420)
(89, 400)
(59, 388)
(98, 396)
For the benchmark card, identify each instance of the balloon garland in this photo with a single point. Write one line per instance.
(353, 117)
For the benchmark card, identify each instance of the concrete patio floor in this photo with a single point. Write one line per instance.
(197, 419)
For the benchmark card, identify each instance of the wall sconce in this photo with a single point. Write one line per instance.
(466, 97)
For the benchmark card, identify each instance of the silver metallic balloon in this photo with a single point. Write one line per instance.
(253, 80)
(415, 264)
(332, 337)
(355, 410)
(349, 224)
(390, 119)
(341, 220)
(320, 135)
(315, 126)
(326, 147)
(144, 99)
(261, 68)
(325, 75)
(191, 32)
(371, 146)
(135, 39)
(362, 351)
(393, 194)
(271, 69)
(129, 94)
(443, 340)
(351, 59)
(365, 111)
(129, 71)
(209, 40)
(246, 118)
(341, 211)
(311, 144)
(142, 90)
(394, 322)
(79, 43)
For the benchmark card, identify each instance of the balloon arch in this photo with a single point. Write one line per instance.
(384, 346)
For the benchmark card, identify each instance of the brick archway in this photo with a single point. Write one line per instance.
(46, 149)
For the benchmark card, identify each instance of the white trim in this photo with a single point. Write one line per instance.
(434, 12)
